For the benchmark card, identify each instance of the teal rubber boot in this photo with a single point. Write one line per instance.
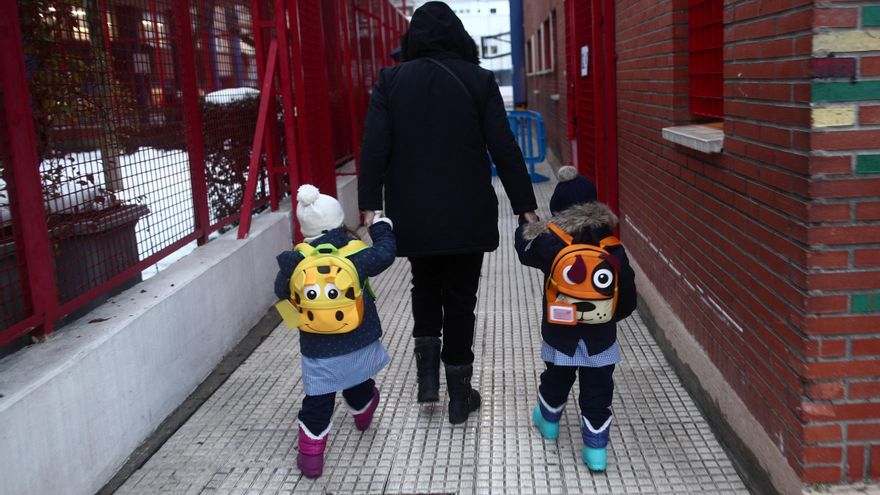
(595, 459)
(549, 429)
(594, 454)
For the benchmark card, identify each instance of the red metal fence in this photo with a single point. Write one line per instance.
(126, 129)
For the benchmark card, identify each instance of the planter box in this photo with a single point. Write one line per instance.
(86, 253)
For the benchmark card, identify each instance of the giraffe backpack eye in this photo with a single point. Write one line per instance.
(325, 289)
(582, 286)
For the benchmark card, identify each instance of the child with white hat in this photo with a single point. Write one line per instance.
(333, 362)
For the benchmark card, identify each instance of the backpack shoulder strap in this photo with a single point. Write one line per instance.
(304, 248)
(609, 241)
(353, 247)
(566, 238)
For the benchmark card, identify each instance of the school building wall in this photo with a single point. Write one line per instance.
(546, 89)
(767, 251)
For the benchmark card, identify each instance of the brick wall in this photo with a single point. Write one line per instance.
(842, 369)
(769, 251)
(555, 113)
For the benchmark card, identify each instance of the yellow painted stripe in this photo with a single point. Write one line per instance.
(847, 41)
(833, 116)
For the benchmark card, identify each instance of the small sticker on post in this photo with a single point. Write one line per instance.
(585, 60)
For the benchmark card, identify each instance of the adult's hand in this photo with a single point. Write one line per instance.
(369, 217)
(531, 217)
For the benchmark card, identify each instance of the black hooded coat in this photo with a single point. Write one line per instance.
(426, 139)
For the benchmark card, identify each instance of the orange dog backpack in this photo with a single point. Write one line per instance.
(582, 286)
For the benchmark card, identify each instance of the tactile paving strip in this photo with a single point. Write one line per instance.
(243, 439)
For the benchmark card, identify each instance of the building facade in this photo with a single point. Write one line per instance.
(748, 177)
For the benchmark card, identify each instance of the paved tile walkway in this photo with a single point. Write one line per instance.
(243, 439)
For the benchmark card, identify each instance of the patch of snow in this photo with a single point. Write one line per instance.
(231, 95)
(159, 179)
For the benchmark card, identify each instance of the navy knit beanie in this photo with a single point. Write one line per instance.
(572, 189)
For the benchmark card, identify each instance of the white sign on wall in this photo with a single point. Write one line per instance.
(585, 60)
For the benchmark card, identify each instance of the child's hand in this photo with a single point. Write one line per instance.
(370, 216)
(380, 218)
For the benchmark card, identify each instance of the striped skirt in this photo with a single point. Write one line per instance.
(324, 375)
(580, 357)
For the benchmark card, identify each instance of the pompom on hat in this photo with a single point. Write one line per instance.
(317, 213)
(572, 189)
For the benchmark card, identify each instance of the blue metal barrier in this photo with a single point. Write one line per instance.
(528, 129)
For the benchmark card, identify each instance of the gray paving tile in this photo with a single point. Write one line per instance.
(243, 439)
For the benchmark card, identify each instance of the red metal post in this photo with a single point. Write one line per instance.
(291, 137)
(266, 96)
(28, 214)
(272, 159)
(352, 106)
(193, 120)
(572, 72)
(305, 148)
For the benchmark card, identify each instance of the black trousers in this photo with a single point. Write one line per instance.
(444, 295)
(596, 389)
(317, 410)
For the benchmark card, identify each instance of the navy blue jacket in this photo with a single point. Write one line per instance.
(369, 263)
(537, 247)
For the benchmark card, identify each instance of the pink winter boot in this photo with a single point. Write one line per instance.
(364, 416)
(310, 459)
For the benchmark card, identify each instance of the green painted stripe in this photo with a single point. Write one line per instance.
(870, 16)
(868, 164)
(865, 303)
(846, 91)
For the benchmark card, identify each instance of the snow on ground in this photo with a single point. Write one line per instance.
(159, 179)
(230, 95)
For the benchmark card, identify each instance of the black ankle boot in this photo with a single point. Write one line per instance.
(428, 368)
(462, 398)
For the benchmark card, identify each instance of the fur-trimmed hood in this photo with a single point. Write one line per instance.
(574, 219)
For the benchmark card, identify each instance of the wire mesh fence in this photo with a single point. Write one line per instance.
(144, 113)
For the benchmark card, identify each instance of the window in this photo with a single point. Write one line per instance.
(530, 56)
(223, 43)
(705, 48)
(549, 29)
(493, 10)
(111, 26)
(81, 26)
(540, 48)
(153, 30)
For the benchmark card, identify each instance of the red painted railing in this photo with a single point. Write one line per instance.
(127, 129)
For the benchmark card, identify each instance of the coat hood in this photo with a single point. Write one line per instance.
(433, 29)
(574, 219)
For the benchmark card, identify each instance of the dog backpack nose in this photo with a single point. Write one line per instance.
(584, 306)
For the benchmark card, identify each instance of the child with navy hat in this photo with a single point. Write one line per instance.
(585, 347)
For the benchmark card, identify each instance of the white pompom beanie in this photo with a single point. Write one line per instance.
(317, 213)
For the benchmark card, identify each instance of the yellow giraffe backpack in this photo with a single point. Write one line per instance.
(326, 293)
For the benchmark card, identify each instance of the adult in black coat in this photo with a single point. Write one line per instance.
(430, 123)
